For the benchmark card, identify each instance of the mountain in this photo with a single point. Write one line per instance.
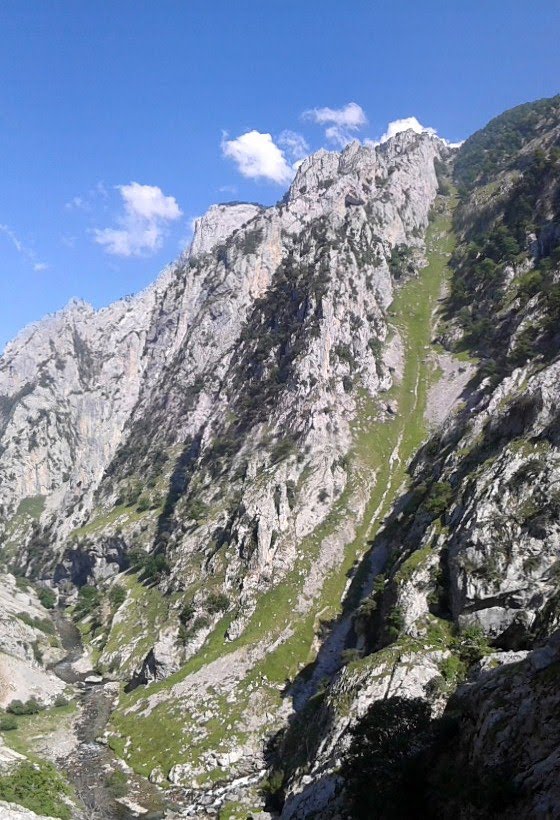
(300, 495)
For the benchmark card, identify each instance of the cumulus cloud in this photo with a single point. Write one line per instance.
(405, 124)
(141, 226)
(409, 124)
(341, 123)
(22, 249)
(294, 144)
(258, 157)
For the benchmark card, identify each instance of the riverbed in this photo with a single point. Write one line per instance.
(89, 763)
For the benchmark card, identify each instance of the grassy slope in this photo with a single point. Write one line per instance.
(169, 734)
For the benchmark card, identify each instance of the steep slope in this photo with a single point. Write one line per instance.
(215, 449)
(473, 547)
(310, 476)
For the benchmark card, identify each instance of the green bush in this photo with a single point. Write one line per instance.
(117, 783)
(441, 496)
(38, 787)
(30, 707)
(187, 612)
(7, 723)
(217, 602)
(143, 503)
(529, 284)
(88, 600)
(117, 596)
(395, 623)
(47, 597)
(472, 644)
(44, 624)
(379, 768)
(155, 566)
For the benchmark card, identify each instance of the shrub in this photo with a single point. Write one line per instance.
(88, 600)
(117, 783)
(350, 655)
(61, 701)
(395, 623)
(529, 284)
(47, 597)
(38, 787)
(117, 596)
(155, 566)
(143, 503)
(439, 499)
(7, 723)
(187, 612)
(379, 767)
(30, 707)
(217, 602)
(197, 509)
(472, 644)
(44, 624)
(452, 670)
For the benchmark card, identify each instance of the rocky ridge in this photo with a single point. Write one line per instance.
(268, 534)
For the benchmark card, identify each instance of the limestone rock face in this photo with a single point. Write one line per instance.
(90, 397)
(207, 424)
(508, 726)
(219, 223)
(10, 811)
(292, 502)
(25, 647)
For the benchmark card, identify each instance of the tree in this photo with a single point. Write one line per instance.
(382, 769)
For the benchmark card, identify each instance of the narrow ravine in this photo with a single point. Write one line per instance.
(90, 764)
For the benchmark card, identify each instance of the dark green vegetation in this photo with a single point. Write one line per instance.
(37, 786)
(508, 308)
(29, 707)
(498, 144)
(402, 765)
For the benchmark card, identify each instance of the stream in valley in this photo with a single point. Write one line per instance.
(91, 763)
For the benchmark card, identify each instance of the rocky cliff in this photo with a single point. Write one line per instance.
(311, 468)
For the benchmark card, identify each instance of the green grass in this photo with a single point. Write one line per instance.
(35, 783)
(166, 735)
(31, 507)
(129, 515)
(411, 564)
(145, 611)
(37, 786)
(31, 728)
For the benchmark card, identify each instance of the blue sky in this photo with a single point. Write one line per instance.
(120, 122)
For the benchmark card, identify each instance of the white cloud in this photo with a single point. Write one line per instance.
(342, 123)
(22, 249)
(294, 144)
(142, 224)
(409, 124)
(406, 124)
(258, 157)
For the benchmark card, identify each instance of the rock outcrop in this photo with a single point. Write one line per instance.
(312, 468)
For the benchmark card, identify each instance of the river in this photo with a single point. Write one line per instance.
(90, 764)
